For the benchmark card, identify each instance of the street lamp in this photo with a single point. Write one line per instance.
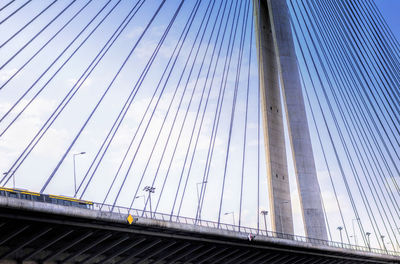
(198, 194)
(144, 198)
(233, 216)
(197, 189)
(383, 243)
(340, 231)
(280, 216)
(368, 240)
(354, 231)
(398, 231)
(150, 190)
(13, 176)
(73, 157)
(265, 213)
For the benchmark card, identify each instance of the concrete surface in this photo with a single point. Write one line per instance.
(274, 139)
(108, 217)
(279, 72)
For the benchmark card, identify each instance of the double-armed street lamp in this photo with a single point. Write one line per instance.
(150, 190)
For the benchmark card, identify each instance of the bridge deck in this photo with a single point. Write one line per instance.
(46, 233)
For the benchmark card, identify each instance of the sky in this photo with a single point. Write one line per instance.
(168, 96)
(51, 148)
(356, 173)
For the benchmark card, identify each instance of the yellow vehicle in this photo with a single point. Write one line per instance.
(47, 198)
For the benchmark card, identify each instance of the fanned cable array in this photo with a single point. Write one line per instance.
(144, 92)
(155, 105)
(349, 60)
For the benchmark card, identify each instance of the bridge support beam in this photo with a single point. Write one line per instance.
(279, 74)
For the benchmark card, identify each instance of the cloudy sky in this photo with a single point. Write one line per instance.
(65, 58)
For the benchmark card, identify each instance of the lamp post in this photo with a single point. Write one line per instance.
(397, 244)
(265, 213)
(340, 231)
(144, 199)
(354, 231)
(150, 190)
(198, 194)
(13, 176)
(383, 242)
(197, 189)
(73, 157)
(368, 240)
(280, 215)
(233, 216)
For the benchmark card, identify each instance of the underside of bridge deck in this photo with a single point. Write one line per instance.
(31, 237)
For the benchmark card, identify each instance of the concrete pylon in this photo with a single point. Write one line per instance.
(275, 152)
(279, 74)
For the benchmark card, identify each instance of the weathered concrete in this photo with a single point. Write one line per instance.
(310, 194)
(277, 59)
(275, 152)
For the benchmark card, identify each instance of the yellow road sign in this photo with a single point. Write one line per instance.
(130, 219)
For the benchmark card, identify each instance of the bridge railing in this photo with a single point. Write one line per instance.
(246, 231)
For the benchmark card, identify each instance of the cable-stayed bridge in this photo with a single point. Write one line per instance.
(198, 132)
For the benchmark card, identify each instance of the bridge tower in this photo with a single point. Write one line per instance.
(279, 75)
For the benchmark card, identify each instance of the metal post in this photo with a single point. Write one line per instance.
(144, 199)
(150, 190)
(150, 204)
(233, 216)
(73, 157)
(340, 231)
(397, 244)
(198, 194)
(265, 213)
(383, 243)
(368, 240)
(13, 176)
(354, 231)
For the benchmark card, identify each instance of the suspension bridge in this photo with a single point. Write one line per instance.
(218, 131)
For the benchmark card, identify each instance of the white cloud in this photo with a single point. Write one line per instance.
(135, 32)
(6, 74)
(86, 83)
(21, 132)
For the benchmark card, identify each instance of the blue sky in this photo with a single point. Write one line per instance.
(389, 10)
(42, 161)
(51, 148)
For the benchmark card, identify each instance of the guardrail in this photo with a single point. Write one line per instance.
(125, 211)
(241, 229)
